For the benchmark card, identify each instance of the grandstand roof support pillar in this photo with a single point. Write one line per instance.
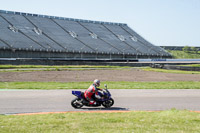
(96, 54)
(81, 55)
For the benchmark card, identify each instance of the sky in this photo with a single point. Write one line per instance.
(161, 22)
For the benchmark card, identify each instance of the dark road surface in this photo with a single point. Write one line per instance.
(32, 101)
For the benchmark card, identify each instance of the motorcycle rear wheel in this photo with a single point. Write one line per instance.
(76, 103)
(109, 103)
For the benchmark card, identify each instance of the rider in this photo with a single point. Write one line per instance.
(91, 91)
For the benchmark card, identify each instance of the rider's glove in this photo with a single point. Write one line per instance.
(97, 96)
(99, 89)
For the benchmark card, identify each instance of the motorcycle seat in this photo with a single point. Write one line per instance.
(82, 95)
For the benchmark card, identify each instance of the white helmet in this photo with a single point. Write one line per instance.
(97, 82)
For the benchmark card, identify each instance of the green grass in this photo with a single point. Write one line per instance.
(192, 65)
(61, 66)
(111, 85)
(169, 71)
(183, 55)
(29, 68)
(172, 121)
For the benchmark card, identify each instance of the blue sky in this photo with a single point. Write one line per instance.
(161, 22)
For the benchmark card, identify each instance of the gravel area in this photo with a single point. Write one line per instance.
(89, 75)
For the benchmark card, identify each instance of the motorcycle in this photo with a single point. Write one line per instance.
(105, 99)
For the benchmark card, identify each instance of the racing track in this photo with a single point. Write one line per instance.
(32, 101)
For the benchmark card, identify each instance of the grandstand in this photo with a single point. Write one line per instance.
(34, 36)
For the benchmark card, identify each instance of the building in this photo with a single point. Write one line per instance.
(34, 36)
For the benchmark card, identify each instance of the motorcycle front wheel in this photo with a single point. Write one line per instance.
(108, 103)
(76, 103)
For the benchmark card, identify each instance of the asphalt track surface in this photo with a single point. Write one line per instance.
(34, 101)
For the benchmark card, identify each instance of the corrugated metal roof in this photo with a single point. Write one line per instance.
(26, 31)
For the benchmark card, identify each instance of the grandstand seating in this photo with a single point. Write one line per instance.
(34, 32)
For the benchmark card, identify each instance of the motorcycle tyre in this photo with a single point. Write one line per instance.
(74, 105)
(106, 105)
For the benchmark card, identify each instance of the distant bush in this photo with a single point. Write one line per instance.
(184, 55)
(194, 49)
(188, 49)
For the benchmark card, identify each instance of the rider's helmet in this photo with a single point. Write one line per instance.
(97, 82)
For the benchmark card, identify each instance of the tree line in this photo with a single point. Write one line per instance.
(188, 49)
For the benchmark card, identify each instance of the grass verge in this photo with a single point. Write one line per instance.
(169, 71)
(61, 66)
(25, 68)
(183, 55)
(172, 121)
(111, 85)
(192, 65)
